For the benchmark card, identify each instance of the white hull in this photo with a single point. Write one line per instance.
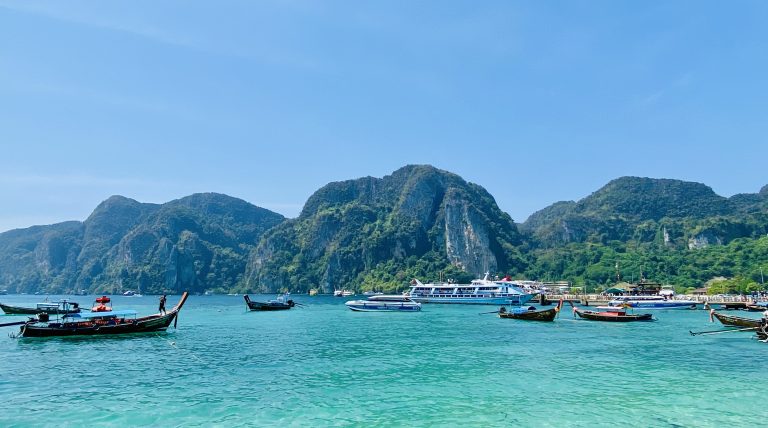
(372, 306)
(647, 305)
(479, 292)
(655, 304)
(479, 300)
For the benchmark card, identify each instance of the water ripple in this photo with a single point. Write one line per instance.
(325, 365)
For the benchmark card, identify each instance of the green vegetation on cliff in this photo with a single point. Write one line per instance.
(195, 243)
(674, 213)
(667, 230)
(379, 233)
(596, 264)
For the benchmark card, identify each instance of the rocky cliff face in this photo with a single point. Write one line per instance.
(379, 233)
(39, 255)
(419, 220)
(194, 243)
(467, 238)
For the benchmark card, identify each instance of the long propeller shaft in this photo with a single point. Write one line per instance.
(700, 333)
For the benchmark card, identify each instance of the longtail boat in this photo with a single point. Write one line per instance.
(530, 313)
(60, 307)
(100, 323)
(735, 321)
(280, 304)
(611, 314)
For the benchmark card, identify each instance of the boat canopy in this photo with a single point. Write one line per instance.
(47, 306)
(110, 314)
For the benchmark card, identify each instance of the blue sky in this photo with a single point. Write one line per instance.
(268, 101)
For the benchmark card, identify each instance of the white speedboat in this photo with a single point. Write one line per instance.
(652, 302)
(479, 292)
(384, 303)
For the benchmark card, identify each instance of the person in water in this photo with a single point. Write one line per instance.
(161, 309)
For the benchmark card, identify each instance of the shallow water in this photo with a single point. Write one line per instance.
(326, 365)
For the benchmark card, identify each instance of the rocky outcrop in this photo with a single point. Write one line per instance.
(419, 220)
(467, 240)
(703, 240)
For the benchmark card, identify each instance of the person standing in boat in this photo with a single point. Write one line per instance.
(161, 309)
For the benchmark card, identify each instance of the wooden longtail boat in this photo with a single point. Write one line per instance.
(611, 316)
(530, 313)
(735, 321)
(280, 304)
(61, 307)
(100, 323)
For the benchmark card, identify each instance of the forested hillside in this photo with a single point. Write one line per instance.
(379, 233)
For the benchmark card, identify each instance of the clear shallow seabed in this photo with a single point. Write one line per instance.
(325, 365)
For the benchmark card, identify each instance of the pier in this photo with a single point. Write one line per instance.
(601, 299)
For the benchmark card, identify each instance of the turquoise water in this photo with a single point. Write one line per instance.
(326, 365)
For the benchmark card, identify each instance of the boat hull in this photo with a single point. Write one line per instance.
(611, 317)
(668, 305)
(736, 321)
(142, 325)
(152, 323)
(258, 306)
(507, 300)
(545, 315)
(268, 306)
(19, 310)
(383, 306)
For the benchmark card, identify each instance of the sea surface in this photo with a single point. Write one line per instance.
(324, 365)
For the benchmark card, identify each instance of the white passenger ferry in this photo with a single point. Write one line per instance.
(479, 292)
